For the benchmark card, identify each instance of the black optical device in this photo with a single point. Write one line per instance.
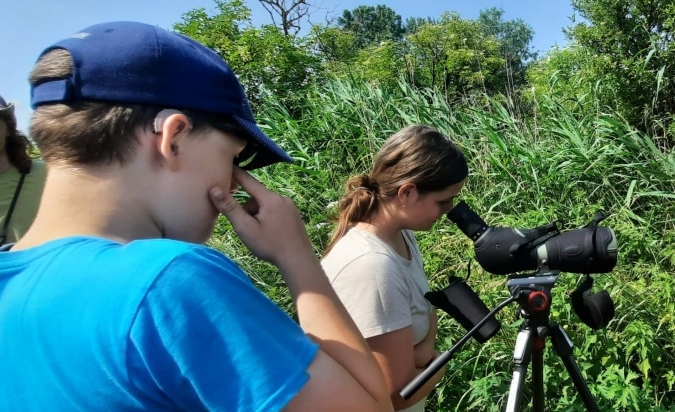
(545, 251)
(505, 250)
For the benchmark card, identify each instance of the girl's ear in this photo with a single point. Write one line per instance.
(405, 192)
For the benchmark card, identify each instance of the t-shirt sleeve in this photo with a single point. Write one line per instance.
(374, 292)
(206, 339)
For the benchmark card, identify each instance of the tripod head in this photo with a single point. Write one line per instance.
(533, 293)
(594, 309)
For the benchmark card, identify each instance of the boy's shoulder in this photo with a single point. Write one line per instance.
(104, 255)
(166, 252)
(180, 255)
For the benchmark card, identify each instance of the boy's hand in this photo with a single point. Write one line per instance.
(269, 224)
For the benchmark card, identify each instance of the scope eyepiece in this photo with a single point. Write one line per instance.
(472, 225)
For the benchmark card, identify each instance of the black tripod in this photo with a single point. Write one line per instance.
(533, 294)
(534, 298)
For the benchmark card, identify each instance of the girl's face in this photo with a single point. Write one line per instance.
(423, 210)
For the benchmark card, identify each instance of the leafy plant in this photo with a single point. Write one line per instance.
(524, 173)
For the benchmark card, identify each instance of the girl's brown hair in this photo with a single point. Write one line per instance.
(417, 154)
(17, 145)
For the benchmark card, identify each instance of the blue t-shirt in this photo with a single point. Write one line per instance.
(89, 324)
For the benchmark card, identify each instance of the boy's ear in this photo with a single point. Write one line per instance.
(172, 130)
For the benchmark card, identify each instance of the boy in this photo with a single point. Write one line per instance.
(108, 302)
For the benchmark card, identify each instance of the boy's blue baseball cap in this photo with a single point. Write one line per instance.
(137, 63)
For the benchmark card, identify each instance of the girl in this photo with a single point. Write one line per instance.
(374, 263)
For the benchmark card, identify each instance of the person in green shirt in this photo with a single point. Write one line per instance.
(21, 178)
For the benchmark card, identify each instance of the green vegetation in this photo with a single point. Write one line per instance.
(557, 143)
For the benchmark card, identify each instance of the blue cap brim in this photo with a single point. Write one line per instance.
(269, 153)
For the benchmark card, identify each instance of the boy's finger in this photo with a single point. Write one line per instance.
(228, 206)
(251, 207)
(248, 183)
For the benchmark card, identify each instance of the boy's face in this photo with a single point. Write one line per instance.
(205, 161)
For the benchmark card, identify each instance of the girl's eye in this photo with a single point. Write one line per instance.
(447, 202)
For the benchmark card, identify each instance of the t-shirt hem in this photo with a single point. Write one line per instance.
(294, 384)
(382, 329)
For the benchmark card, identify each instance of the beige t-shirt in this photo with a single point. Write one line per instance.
(29, 198)
(381, 290)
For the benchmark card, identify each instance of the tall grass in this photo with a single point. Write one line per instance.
(524, 173)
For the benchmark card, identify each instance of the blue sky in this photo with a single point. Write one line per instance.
(29, 26)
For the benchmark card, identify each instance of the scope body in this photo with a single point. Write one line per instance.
(506, 250)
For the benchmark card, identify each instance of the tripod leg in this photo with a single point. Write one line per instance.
(521, 357)
(563, 347)
(538, 344)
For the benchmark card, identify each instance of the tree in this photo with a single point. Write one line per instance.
(381, 63)
(412, 24)
(568, 75)
(372, 25)
(219, 32)
(455, 56)
(514, 37)
(450, 53)
(266, 60)
(290, 13)
(333, 44)
(634, 38)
